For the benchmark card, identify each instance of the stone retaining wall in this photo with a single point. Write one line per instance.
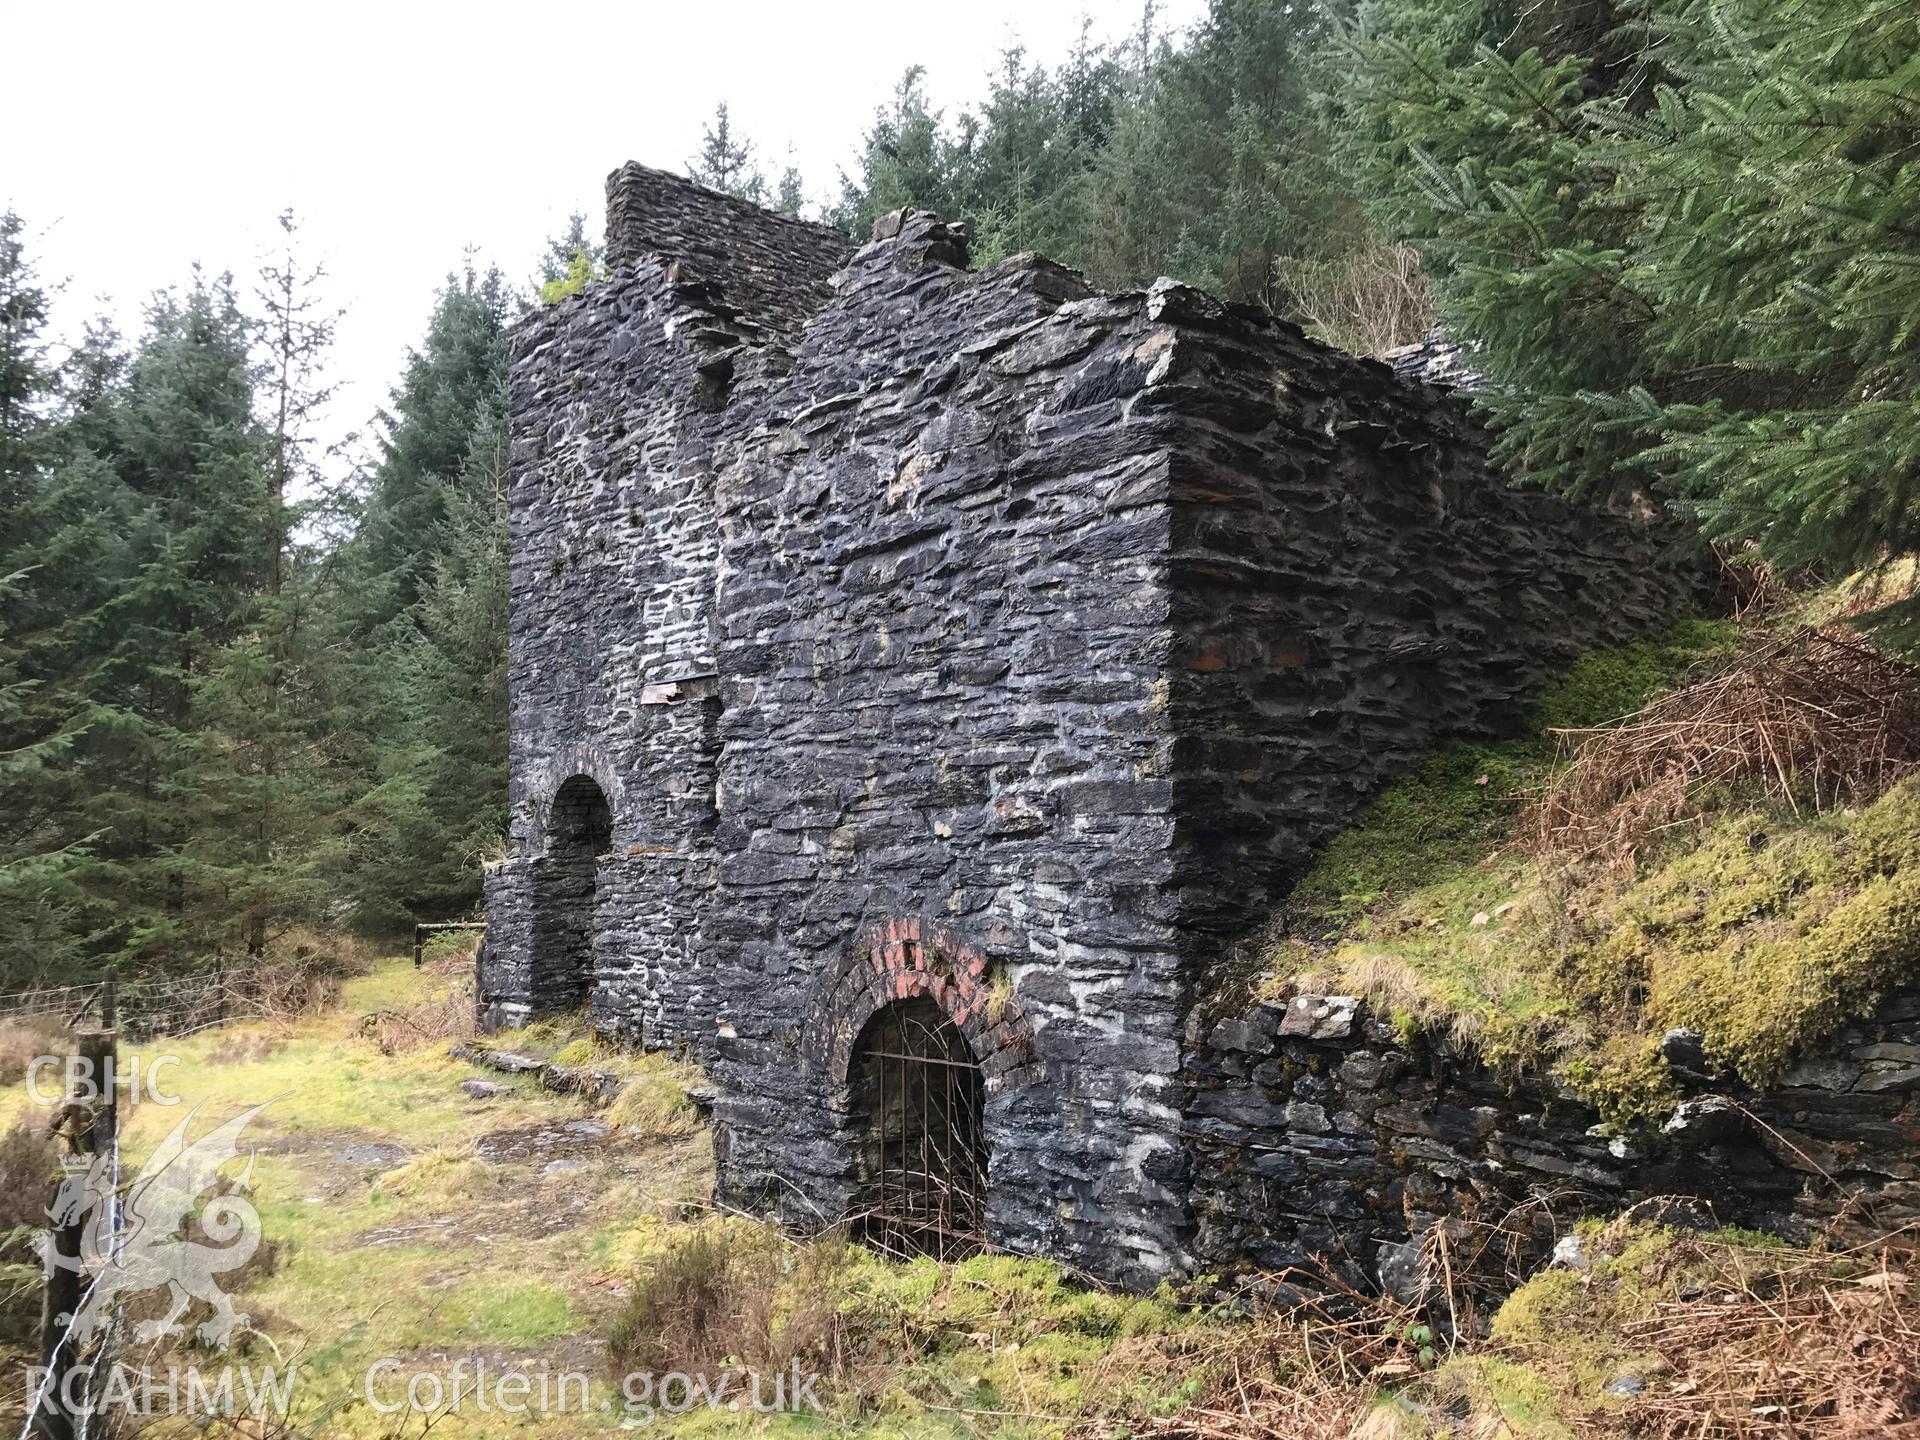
(1315, 1132)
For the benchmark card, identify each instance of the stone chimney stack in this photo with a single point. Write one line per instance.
(753, 256)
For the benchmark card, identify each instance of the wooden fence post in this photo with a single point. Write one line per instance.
(423, 928)
(96, 1049)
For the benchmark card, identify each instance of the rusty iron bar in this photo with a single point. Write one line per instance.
(925, 1140)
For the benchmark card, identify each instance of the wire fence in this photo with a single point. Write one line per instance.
(144, 1008)
(53, 1410)
(37, 1404)
(98, 1360)
(64, 1002)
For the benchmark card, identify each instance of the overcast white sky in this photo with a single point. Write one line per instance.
(150, 135)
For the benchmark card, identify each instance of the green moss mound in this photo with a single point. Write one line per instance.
(1764, 930)
(1460, 804)
(1765, 933)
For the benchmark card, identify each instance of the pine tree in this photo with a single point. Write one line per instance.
(726, 162)
(155, 516)
(907, 159)
(262, 772)
(439, 807)
(565, 248)
(423, 609)
(27, 378)
(790, 196)
(59, 574)
(455, 379)
(42, 927)
(1683, 242)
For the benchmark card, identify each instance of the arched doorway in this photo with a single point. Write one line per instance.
(579, 832)
(917, 1103)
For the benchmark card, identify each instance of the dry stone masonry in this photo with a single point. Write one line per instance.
(897, 639)
(1316, 1134)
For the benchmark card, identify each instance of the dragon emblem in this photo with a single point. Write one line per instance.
(181, 1224)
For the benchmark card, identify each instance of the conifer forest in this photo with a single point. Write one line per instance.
(248, 693)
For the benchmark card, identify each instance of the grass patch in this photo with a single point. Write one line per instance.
(503, 1310)
(903, 1347)
(445, 1249)
(655, 1100)
(446, 1174)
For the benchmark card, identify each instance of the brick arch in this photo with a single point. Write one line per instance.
(908, 957)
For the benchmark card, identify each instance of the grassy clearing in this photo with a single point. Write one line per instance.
(390, 1235)
(1761, 923)
(409, 1222)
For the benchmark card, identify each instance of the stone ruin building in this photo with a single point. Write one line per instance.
(924, 679)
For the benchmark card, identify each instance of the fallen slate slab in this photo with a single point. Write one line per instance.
(370, 1153)
(541, 1141)
(507, 1062)
(480, 1089)
(584, 1080)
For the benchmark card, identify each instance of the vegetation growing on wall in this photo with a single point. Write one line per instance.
(1756, 915)
(1461, 804)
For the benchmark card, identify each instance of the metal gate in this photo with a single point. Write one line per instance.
(918, 1096)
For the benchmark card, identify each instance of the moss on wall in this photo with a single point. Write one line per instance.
(1761, 929)
(1460, 805)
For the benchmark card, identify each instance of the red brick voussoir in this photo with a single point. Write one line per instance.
(907, 958)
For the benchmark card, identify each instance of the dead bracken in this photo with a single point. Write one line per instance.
(1815, 719)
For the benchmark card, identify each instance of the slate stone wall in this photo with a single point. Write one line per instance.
(941, 624)
(1351, 586)
(765, 268)
(886, 599)
(1316, 1134)
(618, 398)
